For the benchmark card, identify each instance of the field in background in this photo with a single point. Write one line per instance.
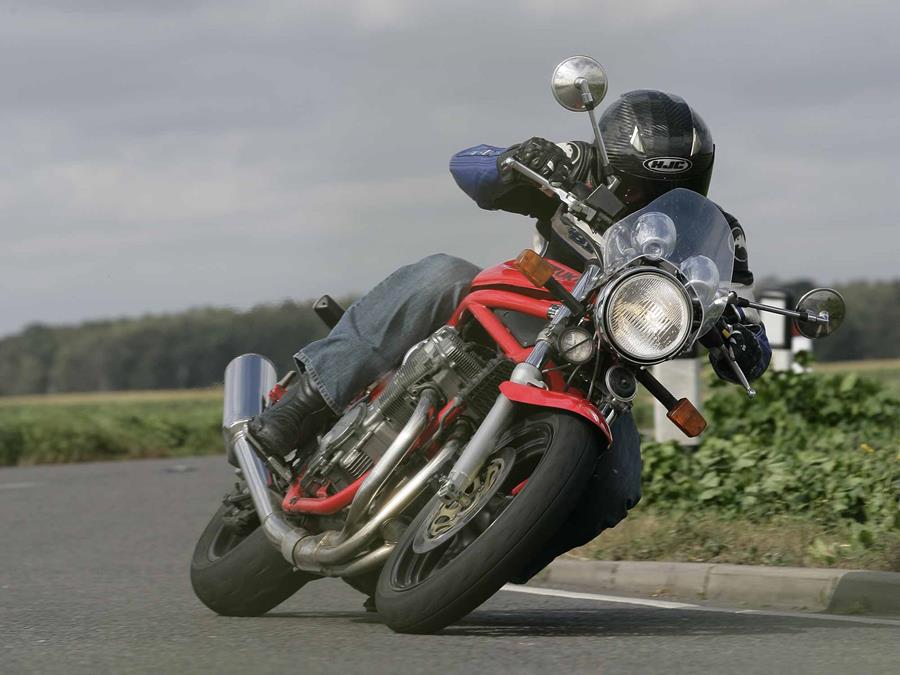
(103, 426)
(886, 371)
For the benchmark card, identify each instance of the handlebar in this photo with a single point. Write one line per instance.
(565, 197)
(598, 210)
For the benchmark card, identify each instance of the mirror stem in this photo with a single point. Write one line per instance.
(603, 170)
(808, 317)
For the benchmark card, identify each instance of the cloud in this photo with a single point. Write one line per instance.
(167, 154)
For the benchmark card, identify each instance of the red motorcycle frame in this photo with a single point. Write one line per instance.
(502, 287)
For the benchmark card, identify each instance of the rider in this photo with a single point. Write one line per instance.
(656, 142)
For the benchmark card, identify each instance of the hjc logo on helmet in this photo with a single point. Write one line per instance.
(667, 164)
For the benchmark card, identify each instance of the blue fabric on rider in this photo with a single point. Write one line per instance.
(475, 171)
(752, 370)
(759, 332)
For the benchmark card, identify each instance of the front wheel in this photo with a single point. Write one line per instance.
(235, 571)
(424, 588)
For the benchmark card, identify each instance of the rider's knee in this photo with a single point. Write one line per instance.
(617, 478)
(447, 269)
(617, 500)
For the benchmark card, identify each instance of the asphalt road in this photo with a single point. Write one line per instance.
(94, 579)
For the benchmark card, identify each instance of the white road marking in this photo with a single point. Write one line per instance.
(16, 486)
(661, 604)
(665, 604)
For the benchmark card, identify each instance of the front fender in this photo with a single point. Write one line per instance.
(529, 395)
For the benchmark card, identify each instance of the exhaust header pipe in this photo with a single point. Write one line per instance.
(248, 379)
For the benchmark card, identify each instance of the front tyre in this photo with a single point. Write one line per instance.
(237, 572)
(424, 592)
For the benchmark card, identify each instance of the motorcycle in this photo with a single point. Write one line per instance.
(442, 478)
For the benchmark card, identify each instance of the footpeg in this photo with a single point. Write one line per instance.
(328, 310)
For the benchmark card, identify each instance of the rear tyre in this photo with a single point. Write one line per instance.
(237, 572)
(424, 592)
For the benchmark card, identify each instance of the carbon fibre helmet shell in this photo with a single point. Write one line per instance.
(656, 142)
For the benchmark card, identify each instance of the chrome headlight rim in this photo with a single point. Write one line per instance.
(601, 314)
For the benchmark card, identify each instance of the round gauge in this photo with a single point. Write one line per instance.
(576, 345)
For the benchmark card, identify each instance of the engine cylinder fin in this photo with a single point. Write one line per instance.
(393, 402)
(444, 363)
(358, 465)
(467, 364)
(482, 392)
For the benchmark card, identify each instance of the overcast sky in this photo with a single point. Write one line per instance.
(164, 154)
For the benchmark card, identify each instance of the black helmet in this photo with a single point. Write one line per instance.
(656, 142)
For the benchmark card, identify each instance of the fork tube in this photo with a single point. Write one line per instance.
(484, 440)
(586, 283)
(479, 447)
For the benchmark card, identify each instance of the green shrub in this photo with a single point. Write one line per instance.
(827, 446)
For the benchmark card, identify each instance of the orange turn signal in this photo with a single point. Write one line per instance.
(534, 267)
(687, 418)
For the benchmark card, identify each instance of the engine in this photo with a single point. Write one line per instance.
(362, 435)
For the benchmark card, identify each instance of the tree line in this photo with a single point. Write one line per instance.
(172, 351)
(191, 349)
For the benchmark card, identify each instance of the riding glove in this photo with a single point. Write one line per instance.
(541, 156)
(750, 347)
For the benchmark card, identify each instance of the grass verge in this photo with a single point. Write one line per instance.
(706, 536)
(82, 428)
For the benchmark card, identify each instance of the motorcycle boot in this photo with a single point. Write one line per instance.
(296, 418)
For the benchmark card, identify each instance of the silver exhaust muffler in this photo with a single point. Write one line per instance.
(248, 380)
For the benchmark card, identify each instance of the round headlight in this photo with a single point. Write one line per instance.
(647, 316)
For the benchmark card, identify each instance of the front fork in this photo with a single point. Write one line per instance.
(484, 440)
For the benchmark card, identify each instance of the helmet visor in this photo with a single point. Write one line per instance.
(637, 191)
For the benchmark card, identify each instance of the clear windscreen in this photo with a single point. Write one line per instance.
(690, 232)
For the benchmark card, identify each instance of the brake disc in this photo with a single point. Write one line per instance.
(445, 520)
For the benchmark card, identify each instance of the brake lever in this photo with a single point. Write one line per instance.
(745, 383)
(725, 349)
(575, 205)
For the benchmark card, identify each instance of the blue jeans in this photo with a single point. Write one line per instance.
(408, 306)
(379, 328)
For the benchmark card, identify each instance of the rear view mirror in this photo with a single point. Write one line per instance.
(574, 73)
(824, 303)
